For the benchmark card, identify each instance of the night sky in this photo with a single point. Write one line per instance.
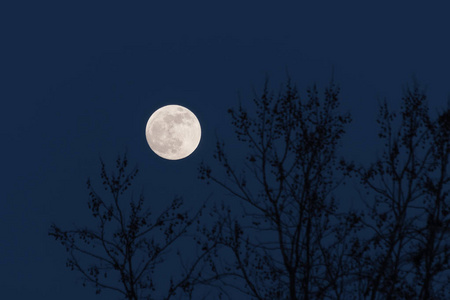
(80, 80)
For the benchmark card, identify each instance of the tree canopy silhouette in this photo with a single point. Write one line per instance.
(290, 234)
(291, 239)
(407, 252)
(129, 242)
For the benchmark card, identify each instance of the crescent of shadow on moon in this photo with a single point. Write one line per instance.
(173, 132)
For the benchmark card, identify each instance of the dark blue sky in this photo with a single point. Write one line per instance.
(80, 80)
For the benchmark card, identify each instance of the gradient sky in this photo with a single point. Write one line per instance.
(80, 80)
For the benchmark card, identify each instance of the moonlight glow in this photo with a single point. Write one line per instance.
(173, 132)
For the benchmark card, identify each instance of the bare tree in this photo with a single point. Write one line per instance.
(407, 252)
(129, 243)
(288, 239)
(431, 254)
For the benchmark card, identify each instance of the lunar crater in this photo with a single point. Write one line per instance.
(173, 132)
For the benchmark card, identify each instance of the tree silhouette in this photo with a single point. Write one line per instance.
(291, 241)
(432, 248)
(287, 236)
(407, 253)
(124, 250)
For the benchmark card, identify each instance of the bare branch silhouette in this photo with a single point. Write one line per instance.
(129, 242)
(290, 241)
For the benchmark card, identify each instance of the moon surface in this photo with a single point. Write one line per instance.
(173, 132)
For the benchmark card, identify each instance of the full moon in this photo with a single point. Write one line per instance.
(173, 132)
